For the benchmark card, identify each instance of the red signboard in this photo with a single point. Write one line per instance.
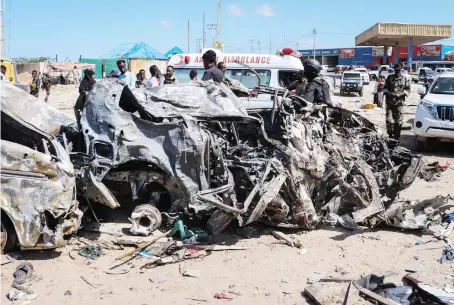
(427, 50)
(346, 53)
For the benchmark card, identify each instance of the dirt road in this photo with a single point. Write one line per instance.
(268, 272)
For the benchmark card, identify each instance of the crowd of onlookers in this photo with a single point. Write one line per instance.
(213, 71)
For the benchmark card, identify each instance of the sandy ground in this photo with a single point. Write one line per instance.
(268, 272)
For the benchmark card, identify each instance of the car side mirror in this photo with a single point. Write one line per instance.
(422, 91)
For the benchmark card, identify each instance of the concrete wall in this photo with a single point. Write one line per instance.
(29, 67)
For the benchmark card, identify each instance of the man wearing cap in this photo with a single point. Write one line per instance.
(212, 71)
(397, 87)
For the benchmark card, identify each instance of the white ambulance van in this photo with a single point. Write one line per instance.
(277, 71)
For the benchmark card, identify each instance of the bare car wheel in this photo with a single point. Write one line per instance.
(8, 234)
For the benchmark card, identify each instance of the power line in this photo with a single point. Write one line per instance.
(344, 34)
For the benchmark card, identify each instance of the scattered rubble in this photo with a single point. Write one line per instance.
(373, 288)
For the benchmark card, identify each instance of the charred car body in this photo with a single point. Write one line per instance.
(38, 199)
(192, 148)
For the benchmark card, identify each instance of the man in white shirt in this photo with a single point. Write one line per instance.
(128, 77)
(3, 75)
(154, 81)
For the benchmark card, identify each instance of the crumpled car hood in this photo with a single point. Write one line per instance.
(198, 100)
(33, 111)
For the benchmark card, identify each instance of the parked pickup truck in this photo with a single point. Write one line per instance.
(373, 73)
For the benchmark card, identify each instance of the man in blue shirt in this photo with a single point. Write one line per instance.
(125, 75)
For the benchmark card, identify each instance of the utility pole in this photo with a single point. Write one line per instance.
(270, 44)
(252, 45)
(219, 21)
(297, 46)
(189, 51)
(2, 39)
(204, 36)
(212, 27)
(258, 42)
(198, 44)
(314, 32)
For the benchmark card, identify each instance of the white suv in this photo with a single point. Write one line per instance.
(364, 75)
(435, 112)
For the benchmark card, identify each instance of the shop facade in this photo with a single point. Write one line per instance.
(371, 56)
(329, 57)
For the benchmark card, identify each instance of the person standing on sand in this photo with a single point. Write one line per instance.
(87, 82)
(125, 75)
(154, 80)
(169, 77)
(35, 84)
(46, 85)
(212, 71)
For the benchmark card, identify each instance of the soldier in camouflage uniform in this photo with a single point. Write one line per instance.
(397, 87)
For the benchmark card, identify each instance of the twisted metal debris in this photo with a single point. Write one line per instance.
(193, 148)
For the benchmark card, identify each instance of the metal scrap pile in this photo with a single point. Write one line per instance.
(192, 148)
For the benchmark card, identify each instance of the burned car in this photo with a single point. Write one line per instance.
(38, 186)
(192, 148)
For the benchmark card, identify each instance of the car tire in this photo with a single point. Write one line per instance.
(420, 144)
(373, 77)
(342, 92)
(360, 92)
(8, 237)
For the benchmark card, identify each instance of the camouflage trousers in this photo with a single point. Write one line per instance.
(394, 118)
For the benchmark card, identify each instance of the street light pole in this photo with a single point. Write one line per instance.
(314, 32)
(219, 22)
(252, 45)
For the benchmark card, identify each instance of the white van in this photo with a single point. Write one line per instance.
(277, 71)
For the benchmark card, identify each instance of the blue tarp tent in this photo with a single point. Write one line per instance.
(174, 50)
(133, 50)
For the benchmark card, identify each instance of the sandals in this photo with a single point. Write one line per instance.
(23, 272)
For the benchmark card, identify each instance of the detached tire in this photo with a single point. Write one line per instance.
(420, 144)
(8, 234)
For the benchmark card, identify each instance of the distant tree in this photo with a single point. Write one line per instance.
(26, 60)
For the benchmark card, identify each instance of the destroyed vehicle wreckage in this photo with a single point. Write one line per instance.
(38, 184)
(192, 148)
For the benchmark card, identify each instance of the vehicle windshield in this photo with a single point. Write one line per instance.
(286, 77)
(443, 85)
(352, 76)
(431, 72)
(244, 76)
(361, 70)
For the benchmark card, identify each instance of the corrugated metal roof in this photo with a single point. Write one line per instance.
(133, 50)
(174, 50)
